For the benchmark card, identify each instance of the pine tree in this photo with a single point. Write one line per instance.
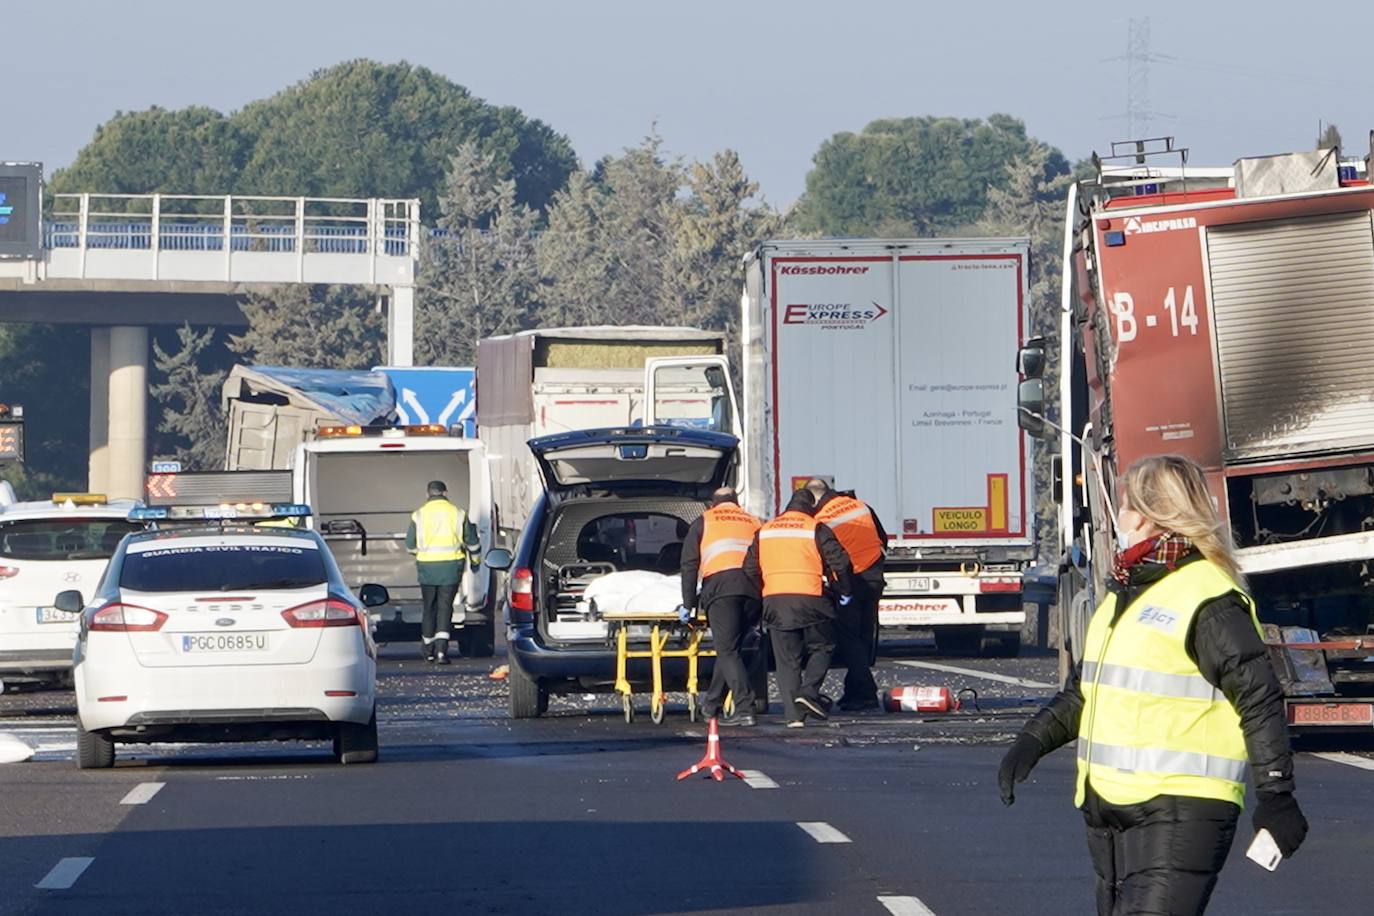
(482, 276)
(319, 327)
(190, 400)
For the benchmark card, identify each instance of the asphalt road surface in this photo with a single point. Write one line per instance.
(468, 812)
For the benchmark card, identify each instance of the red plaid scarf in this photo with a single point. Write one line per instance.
(1162, 549)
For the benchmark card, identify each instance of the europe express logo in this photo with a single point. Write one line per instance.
(832, 314)
(5, 210)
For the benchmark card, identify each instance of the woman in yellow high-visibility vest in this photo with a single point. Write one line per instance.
(1174, 701)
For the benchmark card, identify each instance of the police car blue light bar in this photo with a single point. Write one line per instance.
(222, 512)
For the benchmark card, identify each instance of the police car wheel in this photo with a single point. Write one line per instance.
(93, 751)
(357, 743)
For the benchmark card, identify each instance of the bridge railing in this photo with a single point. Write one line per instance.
(200, 223)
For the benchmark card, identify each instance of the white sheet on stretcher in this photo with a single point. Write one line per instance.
(633, 590)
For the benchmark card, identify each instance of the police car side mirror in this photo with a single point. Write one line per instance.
(498, 558)
(69, 602)
(373, 595)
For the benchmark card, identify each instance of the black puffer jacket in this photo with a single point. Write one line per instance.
(1230, 655)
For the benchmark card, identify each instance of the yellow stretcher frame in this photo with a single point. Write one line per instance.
(664, 626)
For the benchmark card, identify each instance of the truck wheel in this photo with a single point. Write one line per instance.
(528, 698)
(478, 641)
(357, 743)
(1000, 645)
(94, 751)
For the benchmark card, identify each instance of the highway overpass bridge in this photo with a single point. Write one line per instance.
(121, 263)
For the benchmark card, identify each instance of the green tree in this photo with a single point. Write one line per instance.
(191, 151)
(912, 176)
(1028, 203)
(622, 219)
(716, 223)
(481, 277)
(364, 129)
(191, 424)
(322, 327)
(45, 369)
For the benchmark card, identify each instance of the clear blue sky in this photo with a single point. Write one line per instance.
(770, 79)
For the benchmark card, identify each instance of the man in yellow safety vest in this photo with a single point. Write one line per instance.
(442, 539)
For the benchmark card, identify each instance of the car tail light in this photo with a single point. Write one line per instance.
(8, 572)
(126, 618)
(327, 612)
(522, 590)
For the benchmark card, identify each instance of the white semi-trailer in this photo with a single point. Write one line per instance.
(882, 367)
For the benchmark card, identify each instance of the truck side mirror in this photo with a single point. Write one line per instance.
(1030, 359)
(1030, 407)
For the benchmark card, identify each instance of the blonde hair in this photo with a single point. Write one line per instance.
(1171, 492)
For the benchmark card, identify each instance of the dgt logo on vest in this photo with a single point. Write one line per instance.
(837, 315)
(1159, 618)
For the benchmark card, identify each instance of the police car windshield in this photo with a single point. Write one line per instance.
(63, 538)
(222, 567)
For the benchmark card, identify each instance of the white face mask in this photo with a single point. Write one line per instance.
(1132, 527)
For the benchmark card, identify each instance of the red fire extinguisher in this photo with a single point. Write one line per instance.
(924, 699)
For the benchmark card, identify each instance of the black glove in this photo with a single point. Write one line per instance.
(1024, 754)
(1281, 816)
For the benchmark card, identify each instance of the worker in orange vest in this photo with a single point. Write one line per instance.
(713, 558)
(856, 628)
(803, 571)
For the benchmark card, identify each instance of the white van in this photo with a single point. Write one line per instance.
(362, 484)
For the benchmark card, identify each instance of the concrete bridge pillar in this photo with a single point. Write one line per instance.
(98, 480)
(400, 337)
(127, 447)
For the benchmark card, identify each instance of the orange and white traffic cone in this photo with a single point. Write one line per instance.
(712, 761)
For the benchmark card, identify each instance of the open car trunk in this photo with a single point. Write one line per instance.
(589, 539)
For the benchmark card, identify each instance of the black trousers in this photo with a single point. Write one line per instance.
(1158, 858)
(802, 657)
(730, 617)
(856, 628)
(438, 616)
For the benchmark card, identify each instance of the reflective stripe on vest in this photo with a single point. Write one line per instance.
(1158, 760)
(726, 533)
(438, 532)
(789, 558)
(1151, 723)
(852, 522)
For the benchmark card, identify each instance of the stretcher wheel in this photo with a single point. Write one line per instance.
(693, 708)
(658, 710)
(628, 706)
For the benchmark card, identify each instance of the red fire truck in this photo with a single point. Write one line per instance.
(1227, 315)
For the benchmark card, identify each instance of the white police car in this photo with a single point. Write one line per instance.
(224, 630)
(46, 547)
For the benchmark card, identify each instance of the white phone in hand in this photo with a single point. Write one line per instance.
(1264, 851)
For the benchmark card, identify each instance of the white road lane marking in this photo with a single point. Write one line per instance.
(822, 832)
(1350, 760)
(985, 675)
(142, 793)
(906, 906)
(64, 874)
(755, 779)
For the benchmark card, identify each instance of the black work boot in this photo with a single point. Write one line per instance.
(441, 651)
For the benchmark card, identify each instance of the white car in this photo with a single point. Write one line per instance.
(47, 547)
(225, 632)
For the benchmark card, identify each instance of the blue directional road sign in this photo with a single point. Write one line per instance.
(435, 394)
